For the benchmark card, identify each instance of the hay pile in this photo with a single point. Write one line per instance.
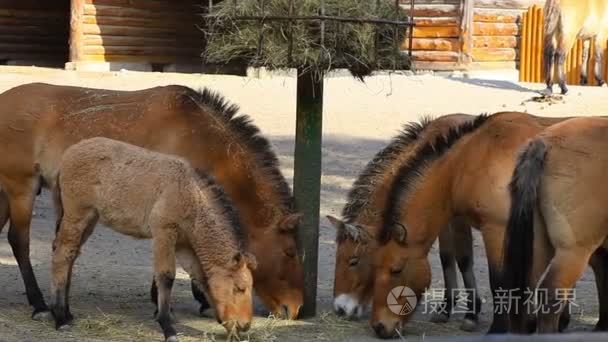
(343, 46)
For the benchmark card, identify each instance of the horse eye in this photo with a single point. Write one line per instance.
(239, 289)
(396, 271)
(353, 262)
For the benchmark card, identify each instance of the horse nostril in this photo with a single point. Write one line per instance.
(340, 312)
(245, 327)
(379, 330)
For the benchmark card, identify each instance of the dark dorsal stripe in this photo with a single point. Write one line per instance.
(251, 136)
(360, 193)
(224, 203)
(409, 173)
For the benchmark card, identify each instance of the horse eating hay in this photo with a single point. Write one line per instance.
(201, 127)
(565, 21)
(146, 194)
(557, 221)
(362, 220)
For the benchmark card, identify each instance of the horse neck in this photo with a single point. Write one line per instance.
(428, 208)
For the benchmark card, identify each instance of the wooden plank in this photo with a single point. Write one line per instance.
(466, 27)
(435, 56)
(435, 44)
(76, 30)
(493, 54)
(189, 6)
(101, 10)
(497, 15)
(508, 4)
(51, 25)
(47, 14)
(495, 29)
(436, 32)
(440, 21)
(142, 51)
(142, 22)
(448, 10)
(35, 4)
(430, 65)
(33, 48)
(34, 39)
(495, 41)
(91, 29)
(92, 40)
(147, 59)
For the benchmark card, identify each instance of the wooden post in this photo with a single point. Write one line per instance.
(466, 31)
(76, 30)
(307, 179)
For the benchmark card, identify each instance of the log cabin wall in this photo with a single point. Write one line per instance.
(34, 32)
(153, 32)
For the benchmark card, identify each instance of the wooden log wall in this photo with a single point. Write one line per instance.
(149, 31)
(35, 31)
(531, 63)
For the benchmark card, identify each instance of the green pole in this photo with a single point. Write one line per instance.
(307, 179)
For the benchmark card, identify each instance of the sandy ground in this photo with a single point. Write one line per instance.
(110, 286)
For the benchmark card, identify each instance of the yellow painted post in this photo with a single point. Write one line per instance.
(531, 35)
(523, 46)
(538, 51)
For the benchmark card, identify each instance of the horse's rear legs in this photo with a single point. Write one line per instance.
(20, 202)
(560, 60)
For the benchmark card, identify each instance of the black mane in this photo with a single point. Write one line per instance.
(223, 200)
(251, 136)
(363, 187)
(408, 174)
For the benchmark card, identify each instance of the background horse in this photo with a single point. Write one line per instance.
(356, 232)
(464, 174)
(565, 22)
(38, 122)
(146, 194)
(557, 221)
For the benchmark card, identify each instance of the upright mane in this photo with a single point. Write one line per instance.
(409, 173)
(229, 211)
(250, 135)
(363, 187)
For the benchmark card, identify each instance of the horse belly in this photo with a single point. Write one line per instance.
(125, 221)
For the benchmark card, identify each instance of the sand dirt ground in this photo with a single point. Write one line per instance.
(110, 286)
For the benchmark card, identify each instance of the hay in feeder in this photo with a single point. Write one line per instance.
(316, 45)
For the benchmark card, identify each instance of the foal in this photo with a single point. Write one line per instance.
(146, 195)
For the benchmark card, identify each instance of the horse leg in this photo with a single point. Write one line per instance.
(4, 210)
(599, 58)
(464, 258)
(189, 261)
(560, 60)
(585, 62)
(450, 280)
(599, 262)
(564, 270)
(21, 201)
(200, 297)
(548, 60)
(492, 237)
(164, 274)
(74, 231)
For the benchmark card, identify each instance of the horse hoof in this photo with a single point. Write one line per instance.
(172, 339)
(440, 318)
(64, 327)
(468, 325)
(42, 315)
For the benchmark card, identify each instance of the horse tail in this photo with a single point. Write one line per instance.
(519, 235)
(58, 204)
(552, 18)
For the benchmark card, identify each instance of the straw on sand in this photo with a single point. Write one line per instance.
(320, 45)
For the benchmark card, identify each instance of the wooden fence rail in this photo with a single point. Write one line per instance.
(531, 55)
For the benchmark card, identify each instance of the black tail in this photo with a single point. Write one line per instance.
(58, 204)
(519, 235)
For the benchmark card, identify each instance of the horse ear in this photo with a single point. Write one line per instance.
(238, 260)
(335, 222)
(399, 233)
(290, 222)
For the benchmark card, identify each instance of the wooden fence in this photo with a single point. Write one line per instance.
(531, 52)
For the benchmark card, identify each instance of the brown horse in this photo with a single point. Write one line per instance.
(464, 174)
(39, 121)
(146, 194)
(357, 231)
(566, 21)
(558, 217)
